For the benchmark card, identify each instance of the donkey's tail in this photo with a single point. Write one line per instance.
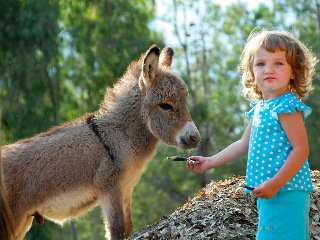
(6, 230)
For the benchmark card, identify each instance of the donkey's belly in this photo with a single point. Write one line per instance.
(69, 204)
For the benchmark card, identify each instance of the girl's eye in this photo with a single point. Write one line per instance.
(278, 63)
(165, 106)
(260, 64)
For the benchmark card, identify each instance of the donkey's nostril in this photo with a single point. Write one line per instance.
(192, 138)
(184, 142)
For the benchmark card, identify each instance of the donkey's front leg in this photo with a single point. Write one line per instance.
(23, 226)
(127, 196)
(112, 210)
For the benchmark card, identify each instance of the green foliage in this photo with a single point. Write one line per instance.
(57, 57)
(43, 232)
(101, 39)
(28, 49)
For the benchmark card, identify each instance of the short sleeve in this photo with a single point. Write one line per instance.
(251, 112)
(291, 106)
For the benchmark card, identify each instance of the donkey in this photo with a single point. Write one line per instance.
(98, 158)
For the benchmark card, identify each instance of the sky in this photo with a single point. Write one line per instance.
(162, 8)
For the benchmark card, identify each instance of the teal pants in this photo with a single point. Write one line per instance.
(285, 216)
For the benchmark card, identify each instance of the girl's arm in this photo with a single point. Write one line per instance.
(229, 154)
(293, 126)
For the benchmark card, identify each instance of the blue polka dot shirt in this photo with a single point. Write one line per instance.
(269, 146)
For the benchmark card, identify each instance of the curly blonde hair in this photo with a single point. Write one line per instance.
(301, 59)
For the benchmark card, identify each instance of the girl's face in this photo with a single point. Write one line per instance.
(272, 72)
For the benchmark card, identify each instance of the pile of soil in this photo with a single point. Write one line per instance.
(221, 211)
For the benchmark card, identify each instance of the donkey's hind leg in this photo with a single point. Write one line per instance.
(111, 205)
(23, 227)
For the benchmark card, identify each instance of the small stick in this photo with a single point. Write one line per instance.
(249, 188)
(177, 158)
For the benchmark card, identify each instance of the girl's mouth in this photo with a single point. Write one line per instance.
(269, 78)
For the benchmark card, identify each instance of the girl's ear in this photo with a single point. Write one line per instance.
(292, 76)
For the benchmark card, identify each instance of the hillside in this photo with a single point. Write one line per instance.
(221, 211)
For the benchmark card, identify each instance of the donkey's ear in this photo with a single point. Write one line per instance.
(166, 56)
(150, 65)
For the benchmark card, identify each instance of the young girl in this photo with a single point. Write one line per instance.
(276, 73)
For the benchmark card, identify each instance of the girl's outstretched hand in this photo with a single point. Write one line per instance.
(201, 167)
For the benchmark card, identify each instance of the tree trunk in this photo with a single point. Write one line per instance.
(318, 13)
(73, 230)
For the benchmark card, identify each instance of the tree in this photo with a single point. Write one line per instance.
(101, 38)
(28, 67)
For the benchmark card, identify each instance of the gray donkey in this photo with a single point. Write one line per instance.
(98, 158)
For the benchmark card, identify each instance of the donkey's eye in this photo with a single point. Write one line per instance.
(165, 106)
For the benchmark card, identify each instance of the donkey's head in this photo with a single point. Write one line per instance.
(165, 101)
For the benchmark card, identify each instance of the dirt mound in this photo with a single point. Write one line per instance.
(221, 211)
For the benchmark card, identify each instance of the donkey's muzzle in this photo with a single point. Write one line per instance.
(189, 136)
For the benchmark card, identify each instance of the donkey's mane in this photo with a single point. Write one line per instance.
(127, 85)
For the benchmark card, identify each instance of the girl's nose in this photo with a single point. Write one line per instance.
(269, 68)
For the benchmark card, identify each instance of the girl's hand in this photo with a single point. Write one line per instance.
(198, 168)
(266, 190)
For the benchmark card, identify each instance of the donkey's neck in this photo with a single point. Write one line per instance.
(121, 110)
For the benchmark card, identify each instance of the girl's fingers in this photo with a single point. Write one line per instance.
(189, 165)
(192, 166)
(196, 158)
